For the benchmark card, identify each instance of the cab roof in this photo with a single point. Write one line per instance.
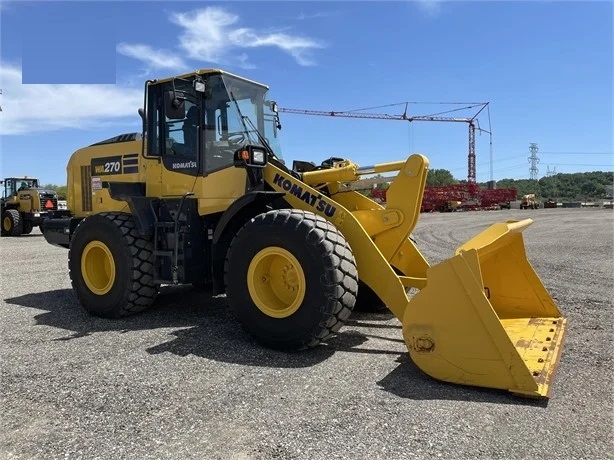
(20, 178)
(208, 72)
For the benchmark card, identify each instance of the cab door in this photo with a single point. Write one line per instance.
(174, 143)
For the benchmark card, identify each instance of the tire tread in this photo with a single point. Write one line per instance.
(142, 291)
(340, 277)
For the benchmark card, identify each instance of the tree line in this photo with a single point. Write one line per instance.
(562, 186)
(565, 186)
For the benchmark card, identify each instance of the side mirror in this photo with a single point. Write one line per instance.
(199, 85)
(273, 106)
(143, 116)
(174, 105)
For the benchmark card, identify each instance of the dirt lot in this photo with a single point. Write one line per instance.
(183, 380)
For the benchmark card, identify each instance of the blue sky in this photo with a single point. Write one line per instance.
(72, 74)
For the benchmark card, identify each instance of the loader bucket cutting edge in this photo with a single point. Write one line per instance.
(485, 319)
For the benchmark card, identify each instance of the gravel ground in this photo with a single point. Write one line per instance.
(183, 381)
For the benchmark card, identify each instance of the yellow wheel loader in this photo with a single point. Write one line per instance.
(25, 205)
(203, 196)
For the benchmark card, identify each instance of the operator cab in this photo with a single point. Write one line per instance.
(198, 123)
(14, 184)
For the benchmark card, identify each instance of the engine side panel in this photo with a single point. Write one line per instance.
(91, 167)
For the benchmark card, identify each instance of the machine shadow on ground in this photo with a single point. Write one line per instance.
(210, 330)
(29, 235)
(409, 382)
(206, 327)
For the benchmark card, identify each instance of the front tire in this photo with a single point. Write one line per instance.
(291, 279)
(27, 227)
(111, 266)
(12, 224)
(368, 301)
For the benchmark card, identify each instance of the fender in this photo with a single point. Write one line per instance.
(140, 205)
(240, 204)
(239, 212)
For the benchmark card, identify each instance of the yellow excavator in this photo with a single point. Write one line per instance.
(202, 196)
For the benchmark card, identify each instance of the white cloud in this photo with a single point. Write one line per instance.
(212, 34)
(153, 58)
(320, 14)
(431, 7)
(38, 108)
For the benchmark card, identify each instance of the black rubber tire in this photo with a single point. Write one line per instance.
(368, 301)
(27, 227)
(330, 271)
(134, 290)
(16, 223)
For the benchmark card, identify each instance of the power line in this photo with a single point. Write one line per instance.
(582, 164)
(577, 153)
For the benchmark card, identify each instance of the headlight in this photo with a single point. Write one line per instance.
(258, 156)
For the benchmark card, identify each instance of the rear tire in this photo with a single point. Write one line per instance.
(315, 262)
(111, 266)
(12, 224)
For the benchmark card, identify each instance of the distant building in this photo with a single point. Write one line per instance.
(609, 191)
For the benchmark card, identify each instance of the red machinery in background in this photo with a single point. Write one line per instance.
(462, 197)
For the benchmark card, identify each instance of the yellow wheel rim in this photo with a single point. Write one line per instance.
(98, 267)
(276, 282)
(6, 223)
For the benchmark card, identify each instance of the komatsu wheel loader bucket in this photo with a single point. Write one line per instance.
(484, 317)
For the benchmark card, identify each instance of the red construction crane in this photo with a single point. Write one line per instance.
(471, 121)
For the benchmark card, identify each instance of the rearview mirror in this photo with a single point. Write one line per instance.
(174, 105)
(199, 85)
(272, 105)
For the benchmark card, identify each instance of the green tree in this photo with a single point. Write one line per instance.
(59, 189)
(563, 186)
(436, 177)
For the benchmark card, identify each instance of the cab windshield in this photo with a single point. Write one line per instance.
(13, 185)
(243, 113)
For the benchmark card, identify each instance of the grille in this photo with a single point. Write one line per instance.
(44, 198)
(86, 187)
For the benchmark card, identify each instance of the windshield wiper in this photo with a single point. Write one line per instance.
(261, 138)
(241, 117)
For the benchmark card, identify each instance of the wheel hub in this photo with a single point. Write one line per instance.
(98, 267)
(276, 282)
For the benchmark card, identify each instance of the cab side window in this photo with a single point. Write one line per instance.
(181, 136)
